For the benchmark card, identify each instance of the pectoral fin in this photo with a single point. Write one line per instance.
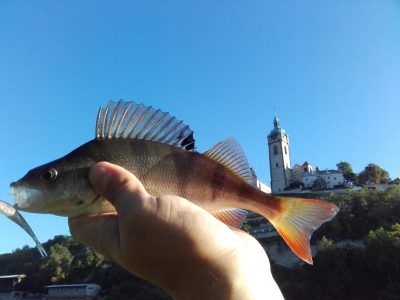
(234, 217)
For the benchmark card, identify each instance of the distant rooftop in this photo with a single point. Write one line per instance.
(69, 285)
(322, 172)
(13, 276)
(328, 172)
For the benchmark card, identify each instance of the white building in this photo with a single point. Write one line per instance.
(303, 176)
(84, 291)
(332, 178)
(259, 184)
(263, 187)
(7, 284)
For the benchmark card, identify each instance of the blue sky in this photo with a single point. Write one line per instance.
(330, 68)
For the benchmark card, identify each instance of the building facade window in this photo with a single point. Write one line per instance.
(276, 165)
(275, 150)
(285, 150)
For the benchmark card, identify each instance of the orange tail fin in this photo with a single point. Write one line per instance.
(296, 220)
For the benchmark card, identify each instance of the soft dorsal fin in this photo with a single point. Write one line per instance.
(234, 217)
(230, 154)
(129, 120)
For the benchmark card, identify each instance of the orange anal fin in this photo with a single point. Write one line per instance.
(234, 217)
(298, 219)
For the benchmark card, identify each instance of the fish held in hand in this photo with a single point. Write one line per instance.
(160, 151)
(10, 212)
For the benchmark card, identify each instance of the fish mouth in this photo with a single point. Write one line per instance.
(26, 199)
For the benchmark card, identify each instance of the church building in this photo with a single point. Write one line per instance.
(284, 177)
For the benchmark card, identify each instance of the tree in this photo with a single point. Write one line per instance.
(347, 170)
(296, 185)
(325, 244)
(373, 174)
(58, 263)
(319, 184)
(383, 248)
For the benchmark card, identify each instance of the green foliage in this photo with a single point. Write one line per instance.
(295, 185)
(246, 227)
(373, 174)
(347, 170)
(319, 184)
(361, 212)
(384, 246)
(325, 244)
(58, 264)
(71, 262)
(367, 267)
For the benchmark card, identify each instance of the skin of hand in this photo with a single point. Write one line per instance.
(173, 243)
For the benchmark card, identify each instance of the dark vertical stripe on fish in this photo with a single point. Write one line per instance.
(184, 165)
(217, 181)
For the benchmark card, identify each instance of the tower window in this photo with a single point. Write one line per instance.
(275, 150)
(285, 150)
(276, 165)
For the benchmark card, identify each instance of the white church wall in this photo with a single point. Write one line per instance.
(263, 187)
(308, 179)
(332, 178)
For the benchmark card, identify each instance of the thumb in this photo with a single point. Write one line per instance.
(119, 186)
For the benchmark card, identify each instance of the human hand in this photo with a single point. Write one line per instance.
(173, 243)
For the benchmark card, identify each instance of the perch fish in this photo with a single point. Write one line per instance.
(160, 151)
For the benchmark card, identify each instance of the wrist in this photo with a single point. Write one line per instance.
(205, 281)
(239, 277)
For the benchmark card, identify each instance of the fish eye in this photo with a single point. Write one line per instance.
(50, 175)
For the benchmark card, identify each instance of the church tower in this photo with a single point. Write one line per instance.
(279, 158)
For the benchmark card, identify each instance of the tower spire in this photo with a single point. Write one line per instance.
(276, 122)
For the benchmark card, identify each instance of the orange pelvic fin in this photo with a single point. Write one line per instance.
(234, 217)
(296, 219)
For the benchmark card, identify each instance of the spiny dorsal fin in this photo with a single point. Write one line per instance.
(234, 217)
(230, 154)
(129, 120)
